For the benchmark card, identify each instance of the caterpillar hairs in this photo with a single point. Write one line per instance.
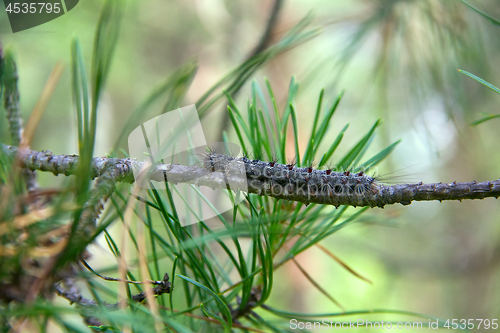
(289, 181)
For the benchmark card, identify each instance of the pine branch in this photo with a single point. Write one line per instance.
(104, 187)
(11, 96)
(162, 287)
(261, 46)
(379, 196)
(270, 25)
(9, 89)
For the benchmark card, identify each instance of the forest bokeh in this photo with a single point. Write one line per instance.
(395, 60)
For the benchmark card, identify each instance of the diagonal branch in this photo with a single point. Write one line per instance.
(262, 44)
(306, 192)
(271, 23)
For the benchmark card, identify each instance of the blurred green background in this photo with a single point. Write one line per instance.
(396, 60)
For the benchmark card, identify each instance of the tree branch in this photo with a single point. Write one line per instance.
(261, 46)
(306, 192)
(9, 78)
(271, 23)
(9, 89)
(163, 287)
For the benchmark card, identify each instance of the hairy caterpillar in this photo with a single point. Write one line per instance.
(289, 181)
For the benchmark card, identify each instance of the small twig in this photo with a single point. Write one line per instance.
(75, 297)
(163, 288)
(108, 278)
